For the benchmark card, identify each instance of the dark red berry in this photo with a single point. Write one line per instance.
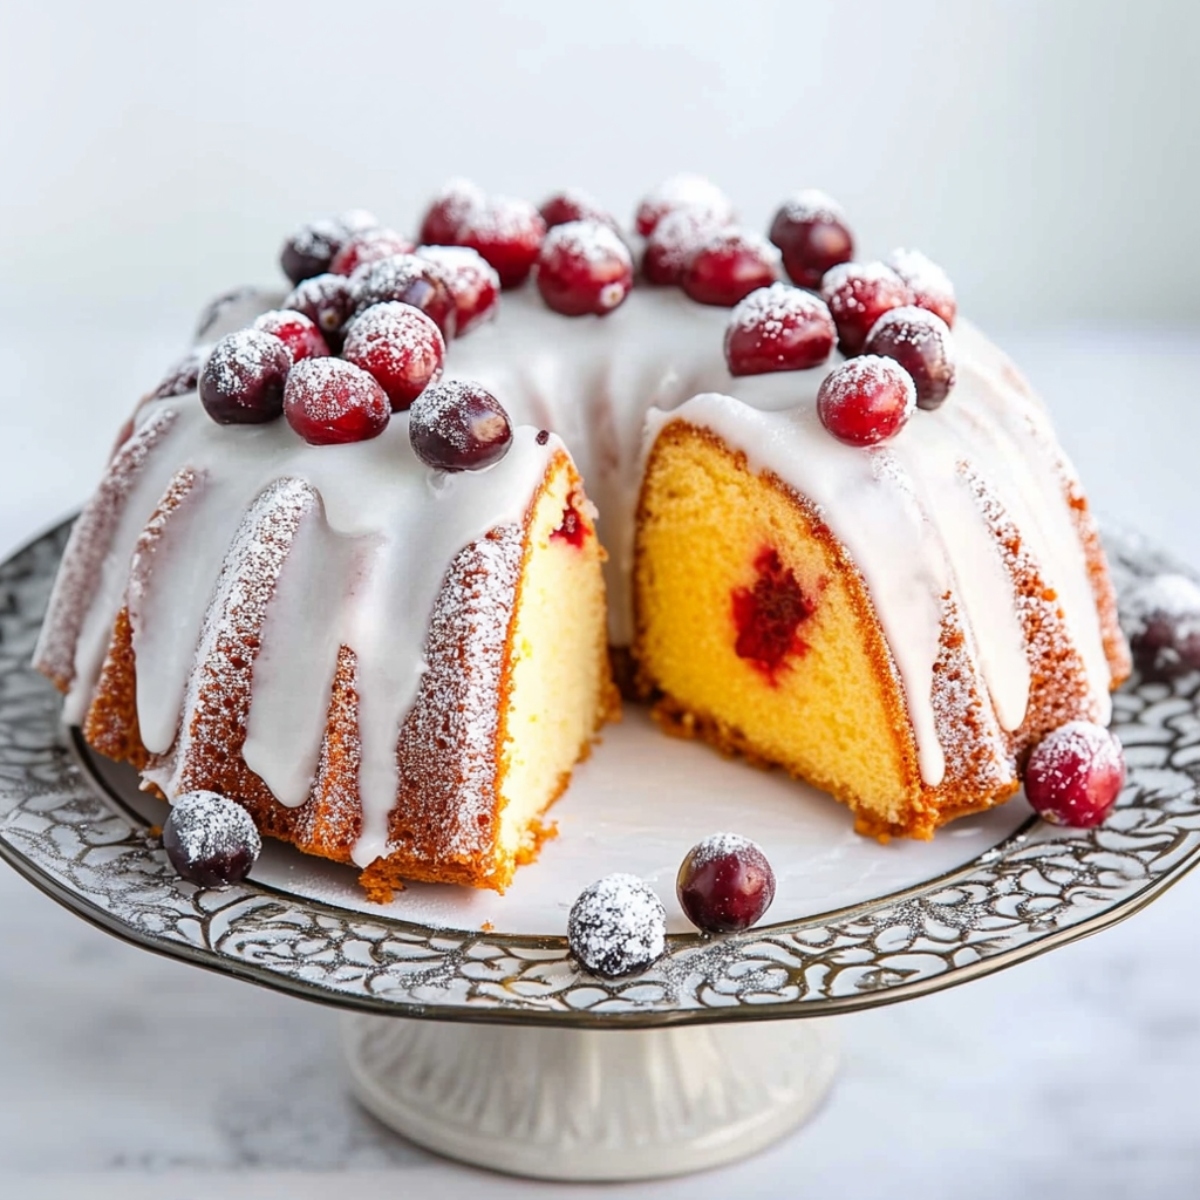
(573, 205)
(858, 294)
(725, 884)
(920, 341)
(508, 233)
(617, 926)
(678, 192)
(811, 233)
(400, 346)
(584, 268)
(473, 283)
(182, 378)
(1163, 617)
(866, 400)
(211, 841)
(295, 331)
(728, 266)
(448, 210)
(676, 238)
(458, 426)
(329, 402)
(1075, 775)
(778, 328)
(311, 249)
(367, 247)
(931, 286)
(410, 280)
(242, 382)
(328, 302)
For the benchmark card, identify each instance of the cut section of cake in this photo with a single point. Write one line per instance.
(386, 665)
(896, 625)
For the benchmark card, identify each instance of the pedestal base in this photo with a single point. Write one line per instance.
(560, 1103)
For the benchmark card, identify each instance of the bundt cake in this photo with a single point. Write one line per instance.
(384, 623)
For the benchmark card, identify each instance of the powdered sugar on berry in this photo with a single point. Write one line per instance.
(210, 826)
(617, 926)
(812, 205)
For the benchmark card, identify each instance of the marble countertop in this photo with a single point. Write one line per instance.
(1072, 1075)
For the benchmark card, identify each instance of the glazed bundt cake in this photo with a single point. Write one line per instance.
(343, 570)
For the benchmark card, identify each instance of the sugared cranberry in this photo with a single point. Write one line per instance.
(725, 884)
(473, 283)
(678, 192)
(311, 249)
(327, 301)
(182, 378)
(508, 233)
(866, 400)
(676, 238)
(410, 280)
(1075, 775)
(1163, 616)
(584, 268)
(920, 341)
(400, 346)
(367, 247)
(448, 210)
(858, 294)
(329, 402)
(617, 926)
(778, 328)
(295, 331)
(811, 233)
(459, 426)
(931, 286)
(242, 382)
(728, 266)
(211, 841)
(571, 204)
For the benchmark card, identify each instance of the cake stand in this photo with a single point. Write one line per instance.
(469, 1028)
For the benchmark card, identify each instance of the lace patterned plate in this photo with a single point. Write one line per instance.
(1025, 888)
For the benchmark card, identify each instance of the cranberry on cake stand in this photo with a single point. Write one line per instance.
(470, 1027)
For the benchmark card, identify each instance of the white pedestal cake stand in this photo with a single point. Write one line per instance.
(470, 1029)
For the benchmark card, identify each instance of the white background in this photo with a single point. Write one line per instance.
(1046, 152)
(153, 154)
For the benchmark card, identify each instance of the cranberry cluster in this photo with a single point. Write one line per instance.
(388, 308)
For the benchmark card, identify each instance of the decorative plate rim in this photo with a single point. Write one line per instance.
(1037, 889)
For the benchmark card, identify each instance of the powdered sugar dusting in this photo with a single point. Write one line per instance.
(678, 192)
(812, 205)
(676, 237)
(1078, 749)
(921, 274)
(208, 825)
(1170, 596)
(588, 242)
(91, 537)
(840, 281)
(442, 411)
(394, 335)
(447, 749)
(719, 845)
(218, 694)
(866, 374)
(769, 310)
(617, 926)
